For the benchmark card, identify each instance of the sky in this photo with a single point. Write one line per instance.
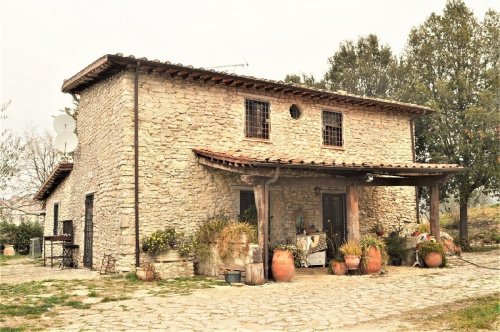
(45, 42)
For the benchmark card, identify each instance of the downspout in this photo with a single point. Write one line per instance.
(136, 162)
(266, 213)
(414, 156)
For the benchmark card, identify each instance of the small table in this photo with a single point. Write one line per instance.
(58, 240)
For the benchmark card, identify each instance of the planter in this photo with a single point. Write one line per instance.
(9, 250)
(373, 261)
(283, 267)
(352, 262)
(232, 276)
(396, 261)
(433, 259)
(380, 233)
(170, 256)
(339, 268)
(145, 275)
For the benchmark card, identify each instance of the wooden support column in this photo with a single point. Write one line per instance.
(434, 207)
(260, 203)
(352, 213)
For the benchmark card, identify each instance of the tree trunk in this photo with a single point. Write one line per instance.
(464, 230)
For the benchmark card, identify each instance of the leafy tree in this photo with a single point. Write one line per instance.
(364, 68)
(10, 148)
(305, 79)
(451, 64)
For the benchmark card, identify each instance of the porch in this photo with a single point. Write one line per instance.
(265, 173)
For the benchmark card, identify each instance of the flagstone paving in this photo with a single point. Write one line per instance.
(310, 303)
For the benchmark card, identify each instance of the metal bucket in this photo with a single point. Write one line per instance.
(232, 276)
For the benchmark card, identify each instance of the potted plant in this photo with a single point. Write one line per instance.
(352, 254)
(283, 263)
(234, 240)
(432, 253)
(338, 265)
(146, 272)
(374, 254)
(396, 245)
(378, 229)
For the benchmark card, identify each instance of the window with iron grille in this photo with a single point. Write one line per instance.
(332, 128)
(56, 218)
(257, 124)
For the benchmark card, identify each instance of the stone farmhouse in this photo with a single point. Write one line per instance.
(164, 144)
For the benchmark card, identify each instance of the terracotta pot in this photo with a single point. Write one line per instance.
(380, 233)
(433, 259)
(339, 268)
(373, 261)
(416, 233)
(283, 267)
(9, 250)
(352, 262)
(145, 275)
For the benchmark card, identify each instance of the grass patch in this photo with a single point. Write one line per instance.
(474, 314)
(77, 305)
(92, 293)
(185, 286)
(4, 260)
(132, 277)
(114, 298)
(10, 329)
(483, 248)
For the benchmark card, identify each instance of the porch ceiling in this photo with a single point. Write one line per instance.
(240, 162)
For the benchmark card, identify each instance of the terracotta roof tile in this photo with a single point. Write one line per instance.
(237, 158)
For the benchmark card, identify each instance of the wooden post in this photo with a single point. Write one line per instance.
(352, 213)
(254, 274)
(434, 207)
(260, 203)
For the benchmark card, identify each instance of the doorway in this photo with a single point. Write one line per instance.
(334, 221)
(88, 231)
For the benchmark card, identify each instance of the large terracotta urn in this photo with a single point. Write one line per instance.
(339, 268)
(433, 259)
(9, 250)
(373, 259)
(352, 262)
(283, 267)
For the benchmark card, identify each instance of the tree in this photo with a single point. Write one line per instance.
(305, 79)
(451, 64)
(363, 68)
(34, 164)
(10, 149)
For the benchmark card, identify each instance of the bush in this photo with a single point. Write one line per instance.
(20, 235)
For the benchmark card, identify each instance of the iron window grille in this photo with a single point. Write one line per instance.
(56, 218)
(332, 129)
(257, 124)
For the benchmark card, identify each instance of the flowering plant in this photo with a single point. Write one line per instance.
(156, 243)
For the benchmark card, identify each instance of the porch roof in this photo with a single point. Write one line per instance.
(244, 162)
(55, 178)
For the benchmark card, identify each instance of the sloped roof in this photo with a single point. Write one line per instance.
(241, 159)
(109, 65)
(61, 171)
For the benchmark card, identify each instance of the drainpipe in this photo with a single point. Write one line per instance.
(136, 162)
(266, 213)
(412, 132)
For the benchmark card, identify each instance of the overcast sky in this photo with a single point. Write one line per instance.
(45, 42)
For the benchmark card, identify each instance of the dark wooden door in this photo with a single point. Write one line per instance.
(334, 221)
(88, 231)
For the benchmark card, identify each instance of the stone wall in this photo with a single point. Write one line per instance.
(100, 168)
(178, 115)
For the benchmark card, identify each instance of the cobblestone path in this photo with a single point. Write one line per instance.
(319, 302)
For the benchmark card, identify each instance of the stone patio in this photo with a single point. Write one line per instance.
(311, 302)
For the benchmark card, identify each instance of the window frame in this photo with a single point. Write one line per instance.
(323, 125)
(55, 213)
(245, 120)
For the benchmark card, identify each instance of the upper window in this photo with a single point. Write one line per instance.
(257, 123)
(332, 128)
